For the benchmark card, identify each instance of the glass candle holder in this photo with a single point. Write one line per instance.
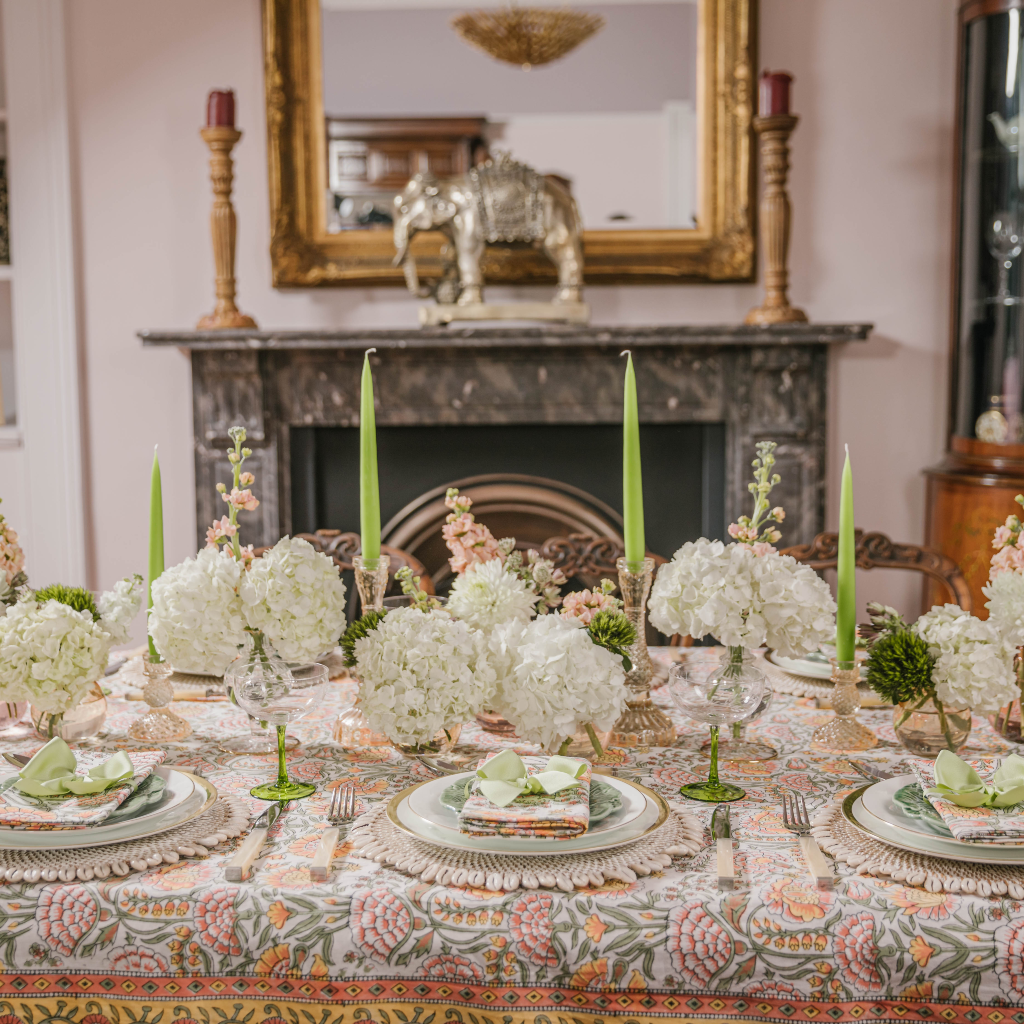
(642, 724)
(844, 731)
(352, 729)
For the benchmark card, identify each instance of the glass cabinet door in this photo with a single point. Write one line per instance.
(989, 361)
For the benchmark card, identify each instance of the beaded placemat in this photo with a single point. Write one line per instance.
(374, 837)
(870, 856)
(227, 818)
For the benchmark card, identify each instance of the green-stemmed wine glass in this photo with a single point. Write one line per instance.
(729, 694)
(280, 697)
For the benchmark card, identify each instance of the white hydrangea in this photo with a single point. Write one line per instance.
(295, 596)
(50, 654)
(196, 621)
(1005, 593)
(119, 606)
(973, 663)
(486, 594)
(552, 679)
(421, 672)
(742, 599)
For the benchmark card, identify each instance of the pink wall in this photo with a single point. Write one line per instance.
(871, 188)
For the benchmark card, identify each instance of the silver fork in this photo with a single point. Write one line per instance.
(795, 819)
(343, 807)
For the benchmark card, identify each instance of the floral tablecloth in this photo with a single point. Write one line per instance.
(180, 944)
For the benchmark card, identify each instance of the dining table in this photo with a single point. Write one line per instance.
(179, 944)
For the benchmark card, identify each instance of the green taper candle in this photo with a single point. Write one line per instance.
(846, 616)
(369, 492)
(156, 538)
(632, 482)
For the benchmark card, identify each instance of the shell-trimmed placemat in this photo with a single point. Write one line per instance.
(227, 818)
(374, 837)
(800, 686)
(870, 856)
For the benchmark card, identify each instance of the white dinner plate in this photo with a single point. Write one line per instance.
(186, 796)
(880, 800)
(814, 666)
(642, 812)
(916, 842)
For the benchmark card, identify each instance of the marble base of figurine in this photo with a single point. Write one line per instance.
(564, 312)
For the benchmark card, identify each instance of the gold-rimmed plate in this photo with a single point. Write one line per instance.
(652, 815)
(203, 797)
(864, 821)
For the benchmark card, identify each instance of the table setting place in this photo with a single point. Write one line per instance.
(501, 799)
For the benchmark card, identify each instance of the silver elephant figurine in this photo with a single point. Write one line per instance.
(500, 201)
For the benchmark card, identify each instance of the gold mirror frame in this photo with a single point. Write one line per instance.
(304, 255)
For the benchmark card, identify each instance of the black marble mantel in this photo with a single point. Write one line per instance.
(761, 382)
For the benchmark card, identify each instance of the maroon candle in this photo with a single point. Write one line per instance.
(774, 93)
(220, 109)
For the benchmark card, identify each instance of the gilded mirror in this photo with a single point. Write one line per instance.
(647, 122)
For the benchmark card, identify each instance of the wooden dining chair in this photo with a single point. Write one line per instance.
(877, 551)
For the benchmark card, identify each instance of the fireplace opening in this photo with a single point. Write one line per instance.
(683, 470)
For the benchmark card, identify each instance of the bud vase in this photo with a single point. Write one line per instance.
(78, 723)
(927, 728)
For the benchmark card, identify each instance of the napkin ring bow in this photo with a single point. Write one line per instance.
(51, 772)
(957, 781)
(504, 777)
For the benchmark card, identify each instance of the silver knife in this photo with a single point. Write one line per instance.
(238, 867)
(721, 832)
(870, 771)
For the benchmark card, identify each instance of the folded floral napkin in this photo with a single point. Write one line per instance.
(979, 800)
(57, 790)
(533, 797)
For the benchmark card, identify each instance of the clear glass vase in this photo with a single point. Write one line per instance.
(581, 743)
(927, 728)
(442, 743)
(80, 723)
(14, 720)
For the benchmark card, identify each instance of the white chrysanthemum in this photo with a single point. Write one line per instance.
(196, 621)
(50, 654)
(552, 679)
(421, 672)
(486, 594)
(742, 599)
(973, 663)
(296, 597)
(119, 606)
(1005, 593)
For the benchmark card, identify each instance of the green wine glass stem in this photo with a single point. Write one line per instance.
(713, 769)
(282, 767)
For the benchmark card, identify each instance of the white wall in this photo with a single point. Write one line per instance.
(871, 189)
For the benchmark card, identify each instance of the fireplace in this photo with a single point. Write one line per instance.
(539, 401)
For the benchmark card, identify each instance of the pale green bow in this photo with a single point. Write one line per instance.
(51, 772)
(505, 777)
(957, 781)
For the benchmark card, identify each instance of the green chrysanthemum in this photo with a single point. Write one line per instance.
(615, 633)
(357, 629)
(74, 597)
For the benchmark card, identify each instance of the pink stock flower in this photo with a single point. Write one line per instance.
(469, 542)
(583, 605)
(241, 499)
(761, 549)
(248, 555)
(247, 479)
(222, 527)
(742, 533)
(778, 513)
(1009, 559)
(1002, 537)
(12, 558)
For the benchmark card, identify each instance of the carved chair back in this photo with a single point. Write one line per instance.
(877, 551)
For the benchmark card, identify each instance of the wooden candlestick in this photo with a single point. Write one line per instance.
(775, 130)
(221, 140)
